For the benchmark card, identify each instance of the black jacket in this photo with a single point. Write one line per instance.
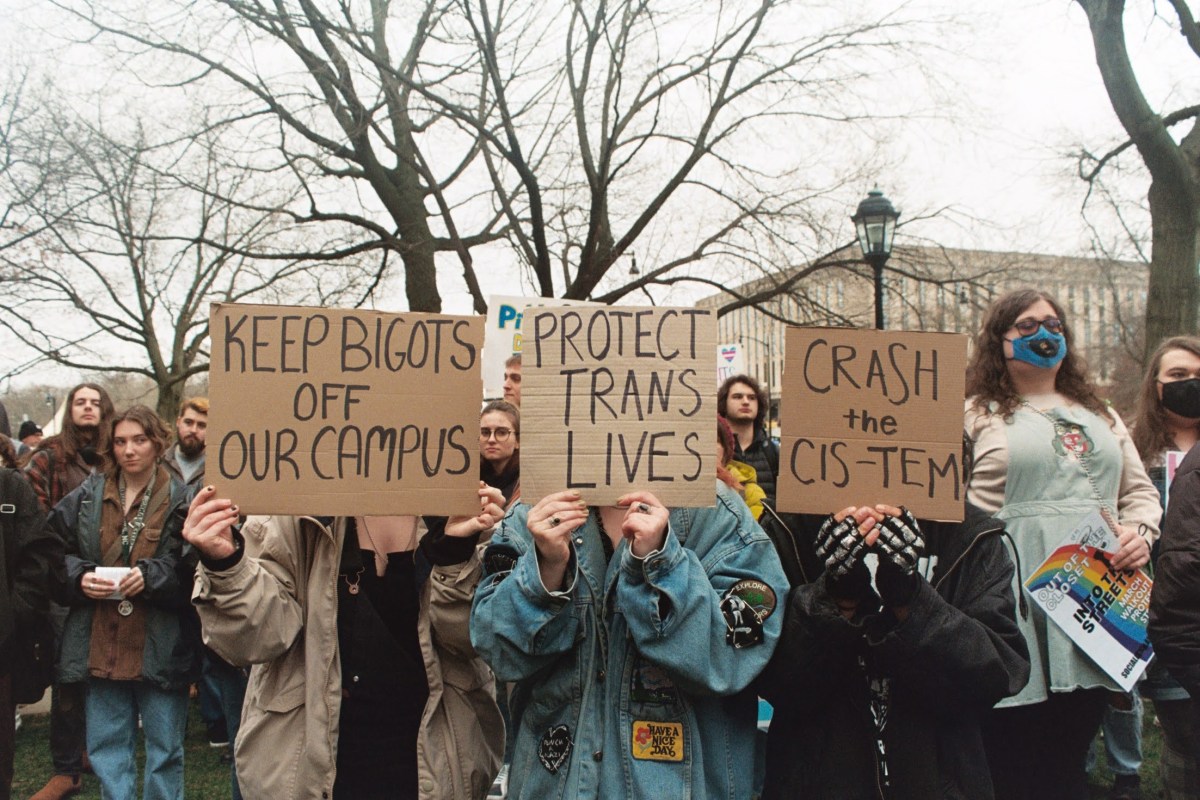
(763, 455)
(958, 652)
(1175, 601)
(31, 564)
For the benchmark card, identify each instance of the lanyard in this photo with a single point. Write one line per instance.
(131, 529)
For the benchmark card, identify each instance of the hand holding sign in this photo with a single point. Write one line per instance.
(209, 524)
(1134, 552)
(645, 523)
(551, 523)
(491, 511)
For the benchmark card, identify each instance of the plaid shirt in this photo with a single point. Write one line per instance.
(51, 475)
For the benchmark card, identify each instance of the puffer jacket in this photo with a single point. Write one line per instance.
(763, 456)
(956, 654)
(31, 566)
(276, 609)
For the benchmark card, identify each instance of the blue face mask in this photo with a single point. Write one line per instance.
(1041, 348)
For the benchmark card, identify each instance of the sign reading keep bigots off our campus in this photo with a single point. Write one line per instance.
(341, 412)
(873, 417)
(617, 399)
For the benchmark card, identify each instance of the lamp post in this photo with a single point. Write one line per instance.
(875, 224)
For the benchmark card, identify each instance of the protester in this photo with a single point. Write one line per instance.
(880, 692)
(222, 686)
(1168, 419)
(632, 633)
(512, 380)
(1047, 453)
(186, 458)
(742, 402)
(500, 446)
(127, 636)
(59, 465)
(360, 649)
(29, 436)
(742, 478)
(31, 559)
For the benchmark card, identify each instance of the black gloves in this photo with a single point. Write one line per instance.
(839, 545)
(900, 541)
(899, 545)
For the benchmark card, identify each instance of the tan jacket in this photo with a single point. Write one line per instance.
(276, 609)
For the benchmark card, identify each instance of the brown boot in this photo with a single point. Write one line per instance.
(58, 787)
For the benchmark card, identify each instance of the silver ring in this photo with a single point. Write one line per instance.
(642, 507)
(554, 522)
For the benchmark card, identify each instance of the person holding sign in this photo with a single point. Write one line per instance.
(129, 635)
(1047, 454)
(363, 684)
(1168, 421)
(632, 633)
(881, 692)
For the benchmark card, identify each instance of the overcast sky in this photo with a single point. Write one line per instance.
(1024, 91)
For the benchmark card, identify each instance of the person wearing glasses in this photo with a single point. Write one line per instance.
(1047, 452)
(499, 446)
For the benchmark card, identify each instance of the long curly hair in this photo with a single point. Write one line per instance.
(1151, 435)
(988, 380)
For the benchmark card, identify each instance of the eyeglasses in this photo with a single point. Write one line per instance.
(1028, 326)
(501, 434)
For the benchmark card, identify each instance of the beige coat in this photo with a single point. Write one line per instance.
(277, 611)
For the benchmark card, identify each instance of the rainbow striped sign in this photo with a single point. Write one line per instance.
(1104, 612)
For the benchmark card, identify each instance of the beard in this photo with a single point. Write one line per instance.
(191, 447)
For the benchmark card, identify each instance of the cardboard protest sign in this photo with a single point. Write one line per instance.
(502, 334)
(616, 399)
(328, 411)
(1104, 612)
(873, 417)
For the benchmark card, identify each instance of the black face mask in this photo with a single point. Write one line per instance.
(1182, 397)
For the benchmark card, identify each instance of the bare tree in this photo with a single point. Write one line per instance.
(1174, 167)
(131, 240)
(578, 132)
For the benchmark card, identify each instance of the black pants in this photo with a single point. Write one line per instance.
(68, 727)
(1040, 750)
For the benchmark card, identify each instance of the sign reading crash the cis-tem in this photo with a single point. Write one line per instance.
(873, 417)
(329, 411)
(616, 399)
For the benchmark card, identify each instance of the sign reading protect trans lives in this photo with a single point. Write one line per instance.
(1104, 612)
(873, 417)
(616, 399)
(341, 412)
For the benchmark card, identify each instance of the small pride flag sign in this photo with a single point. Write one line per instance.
(1103, 611)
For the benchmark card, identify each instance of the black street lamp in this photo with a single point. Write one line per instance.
(875, 223)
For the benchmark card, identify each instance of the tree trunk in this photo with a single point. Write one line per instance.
(170, 398)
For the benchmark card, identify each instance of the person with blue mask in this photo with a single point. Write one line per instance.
(1047, 453)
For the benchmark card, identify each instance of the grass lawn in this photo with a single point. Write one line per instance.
(205, 777)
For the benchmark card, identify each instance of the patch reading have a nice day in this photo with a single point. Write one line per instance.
(657, 741)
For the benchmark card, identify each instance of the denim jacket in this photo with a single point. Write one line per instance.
(633, 682)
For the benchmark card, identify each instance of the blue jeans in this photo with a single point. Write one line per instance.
(1122, 738)
(112, 724)
(229, 685)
